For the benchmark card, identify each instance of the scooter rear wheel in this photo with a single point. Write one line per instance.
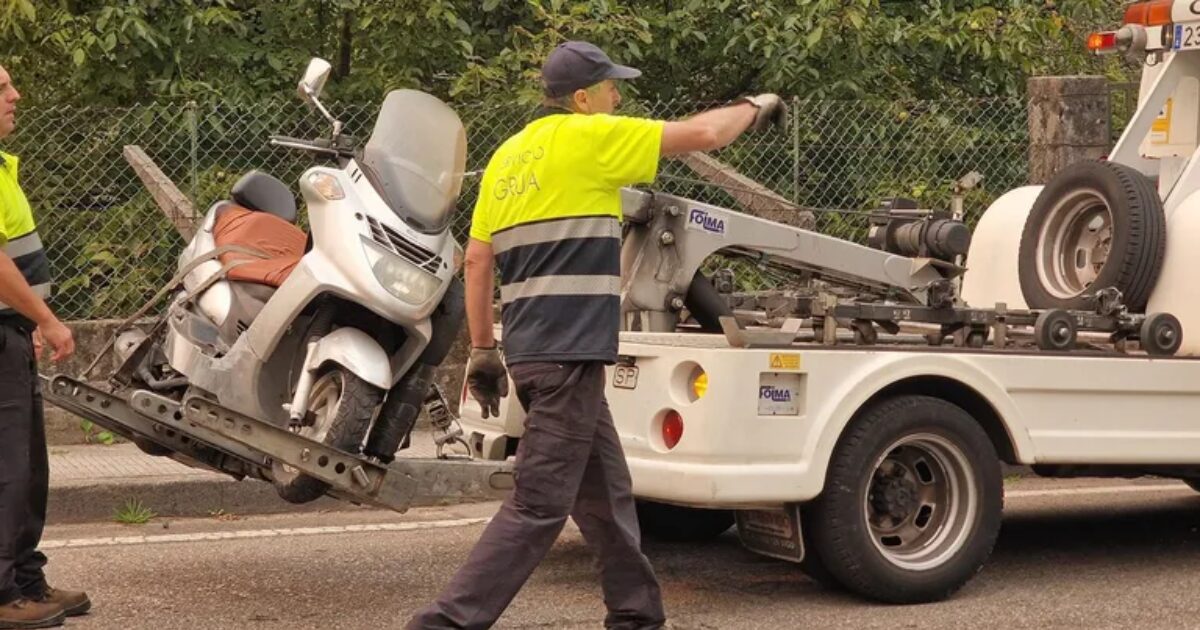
(340, 409)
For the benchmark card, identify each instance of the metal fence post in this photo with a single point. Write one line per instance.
(193, 133)
(795, 151)
(1067, 123)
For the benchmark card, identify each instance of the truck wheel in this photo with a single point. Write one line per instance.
(340, 406)
(673, 523)
(912, 501)
(1095, 225)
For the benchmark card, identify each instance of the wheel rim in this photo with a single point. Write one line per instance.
(323, 404)
(920, 502)
(1074, 244)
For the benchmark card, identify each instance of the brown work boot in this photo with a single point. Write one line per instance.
(24, 613)
(73, 603)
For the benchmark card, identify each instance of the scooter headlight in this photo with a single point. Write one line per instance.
(401, 278)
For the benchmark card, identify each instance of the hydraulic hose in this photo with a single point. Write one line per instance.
(706, 304)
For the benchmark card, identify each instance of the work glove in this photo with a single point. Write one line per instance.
(772, 112)
(487, 379)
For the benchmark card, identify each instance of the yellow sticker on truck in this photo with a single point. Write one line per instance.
(1160, 129)
(784, 361)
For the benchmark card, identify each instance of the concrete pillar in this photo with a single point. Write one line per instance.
(1068, 123)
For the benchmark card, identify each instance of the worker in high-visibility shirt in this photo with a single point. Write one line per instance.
(549, 213)
(26, 601)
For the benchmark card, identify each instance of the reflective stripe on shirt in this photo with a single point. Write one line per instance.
(29, 256)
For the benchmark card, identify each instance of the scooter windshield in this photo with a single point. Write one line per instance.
(416, 157)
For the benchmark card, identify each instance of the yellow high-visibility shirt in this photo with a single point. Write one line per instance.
(16, 217)
(550, 205)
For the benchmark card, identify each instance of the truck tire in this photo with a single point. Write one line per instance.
(814, 565)
(912, 501)
(673, 523)
(1095, 225)
(341, 405)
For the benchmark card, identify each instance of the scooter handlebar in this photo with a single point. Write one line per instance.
(321, 144)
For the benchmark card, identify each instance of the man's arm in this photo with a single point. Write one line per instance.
(717, 128)
(707, 131)
(487, 379)
(16, 293)
(479, 268)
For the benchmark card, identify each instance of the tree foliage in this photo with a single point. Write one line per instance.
(116, 53)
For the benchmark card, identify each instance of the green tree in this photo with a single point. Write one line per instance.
(92, 51)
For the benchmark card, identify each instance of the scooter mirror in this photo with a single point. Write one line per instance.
(314, 79)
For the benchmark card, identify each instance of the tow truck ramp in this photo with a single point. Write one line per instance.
(201, 433)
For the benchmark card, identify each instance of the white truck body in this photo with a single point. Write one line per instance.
(1038, 409)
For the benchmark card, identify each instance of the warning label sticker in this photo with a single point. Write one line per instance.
(1160, 130)
(783, 361)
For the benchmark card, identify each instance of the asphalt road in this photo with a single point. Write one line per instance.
(1084, 554)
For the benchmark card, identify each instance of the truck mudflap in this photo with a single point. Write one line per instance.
(199, 431)
(774, 533)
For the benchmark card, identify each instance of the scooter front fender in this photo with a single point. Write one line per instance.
(355, 351)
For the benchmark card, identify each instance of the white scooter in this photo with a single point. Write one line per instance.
(343, 350)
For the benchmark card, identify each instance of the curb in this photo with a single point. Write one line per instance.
(175, 498)
(187, 498)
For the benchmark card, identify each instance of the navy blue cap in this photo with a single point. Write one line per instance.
(577, 65)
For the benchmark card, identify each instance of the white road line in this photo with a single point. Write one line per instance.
(1066, 492)
(119, 541)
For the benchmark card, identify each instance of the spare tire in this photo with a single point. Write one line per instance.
(1095, 225)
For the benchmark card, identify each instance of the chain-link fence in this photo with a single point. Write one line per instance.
(1122, 105)
(111, 248)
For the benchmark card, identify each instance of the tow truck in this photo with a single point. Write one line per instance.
(857, 425)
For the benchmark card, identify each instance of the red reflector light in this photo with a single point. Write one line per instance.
(1153, 13)
(672, 429)
(1101, 42)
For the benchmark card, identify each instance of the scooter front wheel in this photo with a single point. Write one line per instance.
(340, 408)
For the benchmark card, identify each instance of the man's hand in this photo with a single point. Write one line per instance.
(487, 379)
(772, 112)
(61, 341)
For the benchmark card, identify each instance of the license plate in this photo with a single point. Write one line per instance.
(774, 533)
(625, 376)
(1187, 37)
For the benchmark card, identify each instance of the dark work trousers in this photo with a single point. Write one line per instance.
(569, 462)
(24, 469)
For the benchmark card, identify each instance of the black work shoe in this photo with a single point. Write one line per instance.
(25, 613)
(73, 603)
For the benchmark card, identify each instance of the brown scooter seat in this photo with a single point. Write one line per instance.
(276, 237)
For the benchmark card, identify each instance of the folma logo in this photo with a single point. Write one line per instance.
(774, 394)
(701, 220)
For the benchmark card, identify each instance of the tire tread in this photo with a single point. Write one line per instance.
(1141, 217)
(347, 434)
